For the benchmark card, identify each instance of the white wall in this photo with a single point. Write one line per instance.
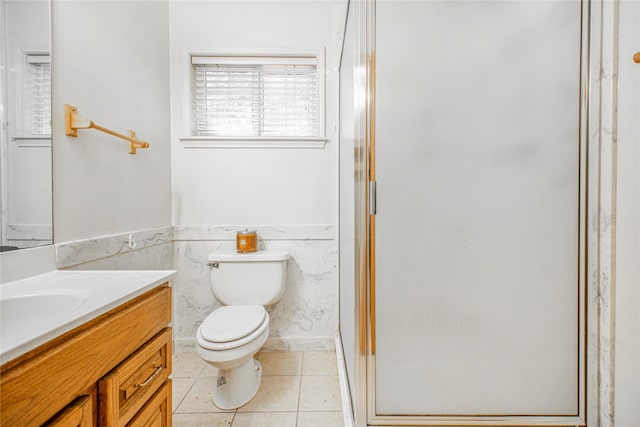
(111, 61)
(627, 302)
(288, 193)
(251, 186)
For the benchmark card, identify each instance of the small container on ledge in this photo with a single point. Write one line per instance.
(246, 241)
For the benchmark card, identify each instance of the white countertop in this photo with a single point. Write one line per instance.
(91, 293)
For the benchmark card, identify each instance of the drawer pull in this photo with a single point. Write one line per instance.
(155, 374)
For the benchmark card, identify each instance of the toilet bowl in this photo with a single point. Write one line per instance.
(231, 335)
(228, 339)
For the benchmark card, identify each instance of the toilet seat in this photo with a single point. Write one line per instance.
(232, 326)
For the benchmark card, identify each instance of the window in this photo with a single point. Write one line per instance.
(36, 98)
(257, 96)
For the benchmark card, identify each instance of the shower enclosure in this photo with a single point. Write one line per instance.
(470, 166)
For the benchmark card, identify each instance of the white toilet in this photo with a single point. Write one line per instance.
(231, 335)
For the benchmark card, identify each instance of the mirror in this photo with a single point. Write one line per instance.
(25, 131)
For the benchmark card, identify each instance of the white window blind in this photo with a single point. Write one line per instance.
(255, 96)
(37, 94)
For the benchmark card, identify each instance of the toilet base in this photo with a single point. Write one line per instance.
(236, 387)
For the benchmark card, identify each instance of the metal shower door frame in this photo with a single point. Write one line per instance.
(599, 23)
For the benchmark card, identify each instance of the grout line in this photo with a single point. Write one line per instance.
(185, 395)
(200, 374)
(300, 389)
(302, 363)
(202, 370)
(195, 379)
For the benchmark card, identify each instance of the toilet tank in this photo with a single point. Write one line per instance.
(248, 278)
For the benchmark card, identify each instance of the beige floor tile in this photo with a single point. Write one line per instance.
(320, 419)
(265, 419)
(209, 371)
(180, 387)
(198, 399)
(281, 362)
(319, 363)
(282, 392)
(276, 394)
(202, 420)
(187, 365)
(320, 393)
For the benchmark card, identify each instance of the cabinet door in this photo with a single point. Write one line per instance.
(157, 412)
(77, 414)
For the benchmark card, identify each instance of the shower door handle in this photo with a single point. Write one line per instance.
(373, 197)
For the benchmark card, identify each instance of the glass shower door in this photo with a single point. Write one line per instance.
(478, 244)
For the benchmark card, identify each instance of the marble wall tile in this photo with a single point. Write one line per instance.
(192, 297)
(82, 251)
(602, 121)
(267, 232)
(158, 257)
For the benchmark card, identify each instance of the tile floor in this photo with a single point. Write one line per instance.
(299, 389)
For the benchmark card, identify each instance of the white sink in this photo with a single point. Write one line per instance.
(29, 307)
(40, 308)
(21, 311)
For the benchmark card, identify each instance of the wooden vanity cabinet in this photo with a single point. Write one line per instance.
(110, 371)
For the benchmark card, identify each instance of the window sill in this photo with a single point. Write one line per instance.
(252, 142)
(32, 140)
(23, 137)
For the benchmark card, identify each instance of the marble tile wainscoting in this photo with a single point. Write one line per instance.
(306, 318)
(153, 250)
(307, 315)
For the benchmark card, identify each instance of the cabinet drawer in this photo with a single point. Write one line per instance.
(157, 412)
(126, 389)
(79, 413)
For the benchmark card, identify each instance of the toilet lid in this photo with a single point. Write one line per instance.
(232, 322)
